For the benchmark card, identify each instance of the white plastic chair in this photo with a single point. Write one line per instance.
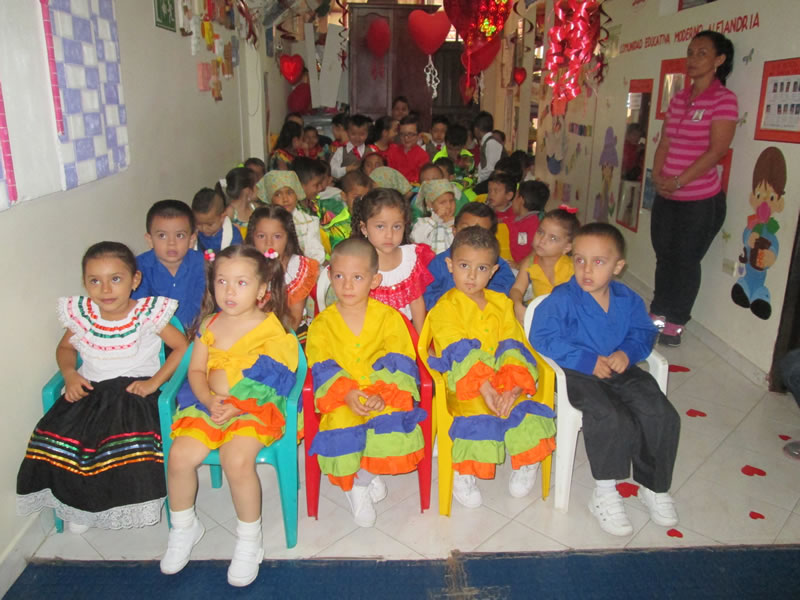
(569, 419)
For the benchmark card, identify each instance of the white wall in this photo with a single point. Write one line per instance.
(751, 337)
(180, 139)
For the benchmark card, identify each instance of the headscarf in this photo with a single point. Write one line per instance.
(431, 190)
(277, 180)
(386, 177)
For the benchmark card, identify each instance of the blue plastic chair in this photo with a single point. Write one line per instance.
(282, 454)
(52, 391)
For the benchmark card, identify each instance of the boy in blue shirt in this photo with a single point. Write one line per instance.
(473, 213)
(215, 230)
(172, 269)
(597, 329)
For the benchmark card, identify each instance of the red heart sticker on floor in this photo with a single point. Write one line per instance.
(756, 515)
(785, 437)
(626, 490)
(696, 413)
(678, 369)
(674, 533)
(750, 470)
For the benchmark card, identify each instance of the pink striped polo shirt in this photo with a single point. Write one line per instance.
(689, 133)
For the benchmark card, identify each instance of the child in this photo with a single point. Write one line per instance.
(215, 230)
(348, 157)
(439, 198)
(597, 329)
(455, 141)
(548, 265)
(311, 147)
(428, 172)
(502, 189)
(171, 268)
(110, 474)
(242, 369)
(311, 173)
(408, 157)
(386, 177)
(365, 384)
(382, 217)
(382, 135)
(474, 213)
(259, 169)
(448, 167)
(491, 150)
(328, 188)
(400, 108)
(491, 375)
(439, 125)
(354, 185)
(372, 161)
(526, 164)
(284, 189)
(527, 205)
(271, 230)
(240, 194)
(287, 147)
(339, 129)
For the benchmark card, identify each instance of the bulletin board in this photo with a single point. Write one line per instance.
(779, 105)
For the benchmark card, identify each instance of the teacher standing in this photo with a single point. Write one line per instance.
(689, 208)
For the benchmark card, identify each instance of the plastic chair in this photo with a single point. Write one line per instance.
(53, 388)
(442, 421)
(569, 419)
(311, 426)
(282, 454)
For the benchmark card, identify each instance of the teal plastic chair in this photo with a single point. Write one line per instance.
(52, 391)
(282, 454)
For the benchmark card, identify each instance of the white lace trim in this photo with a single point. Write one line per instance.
(402, 271)
(120, 517)
(292, 269)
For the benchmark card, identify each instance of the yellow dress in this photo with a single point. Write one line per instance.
(473, 346)
(563, 272)
(381, 360)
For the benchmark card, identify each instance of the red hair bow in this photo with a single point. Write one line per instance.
(573, 210)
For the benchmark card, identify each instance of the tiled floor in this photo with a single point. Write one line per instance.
(716, 502)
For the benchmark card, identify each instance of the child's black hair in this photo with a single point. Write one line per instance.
(353, 179)
(284, 217)
(509, 165)
(605, 230)
(113, 249)
(236, 181)
(357, 246)
(568, 221)
(722, 45)
(483, 122)
(411, 118)
(378, 127)
(255, 162)
(524, 159)
(289, 131)
(370, 155)
(402, 99)
(445, 163)
(428, 166)
(206, 200)
(310, 128)
(437, 119)
(373, 201)
(500, 135)
(505, 179)
(308, 168)
(340, 120)
(359, 121)
(170, 209)
(296, 115)
(456, 135)
(480, 210)
(535, 195)
(476, 237)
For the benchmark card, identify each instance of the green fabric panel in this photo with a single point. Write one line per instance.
(340, 466)
(403, 381)
(396, 443)
(459, 370)
(514, 356)
(528, 434)
(264, 394)
(485, 451)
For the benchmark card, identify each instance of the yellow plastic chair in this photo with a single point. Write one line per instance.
(442, 420)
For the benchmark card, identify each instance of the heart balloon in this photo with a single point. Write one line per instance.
(467, 88)
(429, 31)
(480, 56)
(379, 37)
(520, 75)
(475, 20)
(291, 67)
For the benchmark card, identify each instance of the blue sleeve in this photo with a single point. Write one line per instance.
(550, 334)
(237, 237)
(503, 279)
(442, 282)
(641, 335)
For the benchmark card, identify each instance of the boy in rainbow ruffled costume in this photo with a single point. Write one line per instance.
(490, 373)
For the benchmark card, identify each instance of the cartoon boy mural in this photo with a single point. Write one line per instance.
(760, 242)
(604, 202)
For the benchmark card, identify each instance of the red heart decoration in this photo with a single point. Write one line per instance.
(626, 489)
(467, 88)
(750, 470)
(785, 437)
(467, 16)
(695, 413)
(480, 55)
(429, 31)
(520, 75)
(756, 515)
(291, 67)
(678, 369)
(674, 533)
(379, 38)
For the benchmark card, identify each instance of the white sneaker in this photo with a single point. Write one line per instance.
(465, 490)
(76, 528)
(661, 507)
(377, 489)
(521, 481)
(609, 511)
(247, 557)
(179, 547)
(360, 500)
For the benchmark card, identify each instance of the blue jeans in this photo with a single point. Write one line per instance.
(790, 372)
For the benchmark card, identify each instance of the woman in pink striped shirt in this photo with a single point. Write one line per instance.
(689, 207)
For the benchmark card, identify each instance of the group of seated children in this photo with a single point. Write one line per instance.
(236, 271)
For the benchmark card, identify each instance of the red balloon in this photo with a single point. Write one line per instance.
(520, 75)
(480, 56)
(379, 37)
(467, 88)
(291, 67)
(429, 31)
(468, 15)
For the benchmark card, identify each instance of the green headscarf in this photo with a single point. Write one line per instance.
(277, 180)
(386, 177)
(431, 190)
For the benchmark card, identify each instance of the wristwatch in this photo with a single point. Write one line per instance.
(677, 183)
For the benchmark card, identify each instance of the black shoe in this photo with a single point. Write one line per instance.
(739, 297)
(673, 341)
(761, 309)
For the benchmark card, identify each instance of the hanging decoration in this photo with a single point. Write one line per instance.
(477, 22)
(467, 87)
(520, 75)
(379, 38)
(429, 31)
(575, 36)
(480, 56)
(343, 34)
(291, 67)
(249, 32)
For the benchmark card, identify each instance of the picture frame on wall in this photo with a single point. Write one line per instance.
(779, 103)
(672, 80)
(164, 12)
(628, 204)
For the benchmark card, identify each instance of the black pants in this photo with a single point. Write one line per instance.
(626, 419)
(681, 233)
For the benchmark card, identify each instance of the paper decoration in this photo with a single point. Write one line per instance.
(165, 14)
(8, 185)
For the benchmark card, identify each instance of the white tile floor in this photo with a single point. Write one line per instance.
(716, 502)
